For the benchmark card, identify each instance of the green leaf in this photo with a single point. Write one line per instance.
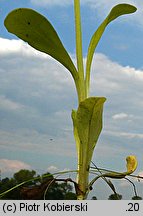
(74, 119)
(117, 11)
(89, 125)
(35, 29)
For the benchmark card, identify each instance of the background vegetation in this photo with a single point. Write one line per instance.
(43, 188)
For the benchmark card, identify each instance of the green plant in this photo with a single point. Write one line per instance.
(35, 29)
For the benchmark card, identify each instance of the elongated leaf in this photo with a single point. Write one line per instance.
(117, 11)
(74, 119)
(35, 29)
(89, 124)
(131, 167)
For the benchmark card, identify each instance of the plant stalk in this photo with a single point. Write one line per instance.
(79, 54)
(83, 172)
(83, 166)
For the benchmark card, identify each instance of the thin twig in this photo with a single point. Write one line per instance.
(104, 178)
(135, 191)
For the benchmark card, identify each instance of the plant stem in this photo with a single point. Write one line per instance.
(79, 54)
(83, 172)
(83, 166)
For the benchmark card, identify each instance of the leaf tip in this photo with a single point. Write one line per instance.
(131, 163)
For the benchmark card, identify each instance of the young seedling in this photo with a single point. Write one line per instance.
(39, 33)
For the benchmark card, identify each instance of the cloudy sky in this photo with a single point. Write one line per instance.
(37, 94)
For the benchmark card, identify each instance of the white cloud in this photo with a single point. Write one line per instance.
(113, 79)
(18, 46)
(47, 95)
(91, 3)
(132, 135)
(8, 46)
(31, 140)
(52, 169)
(121, 116)
(141, 175)
(101, 7)
(102, 4)
(8, 104)
(7, 165)
(125, 134)
(52, 2)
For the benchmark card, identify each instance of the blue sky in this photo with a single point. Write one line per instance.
(37, 94)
